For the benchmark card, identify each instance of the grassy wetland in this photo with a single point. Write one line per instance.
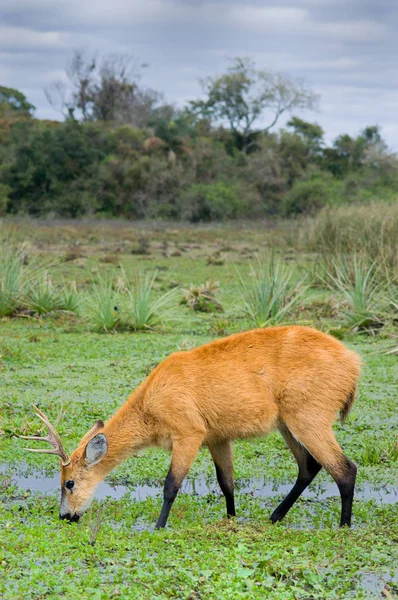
(88, 309)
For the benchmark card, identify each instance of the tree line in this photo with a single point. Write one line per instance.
(122, 151)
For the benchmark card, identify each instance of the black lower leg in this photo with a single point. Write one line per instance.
(346, 485)
(171, 488)
(307, 471)
(227, 488)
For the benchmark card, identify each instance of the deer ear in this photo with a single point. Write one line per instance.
(96, 449)
(91, 432)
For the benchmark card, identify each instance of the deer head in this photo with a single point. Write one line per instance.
(79, 478)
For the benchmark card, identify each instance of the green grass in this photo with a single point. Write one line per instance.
(361, 290)
(60, 362)
(118, 303)
(103, 306)
(145, 312)
(43, 296)
(272, 292)
(369, 230)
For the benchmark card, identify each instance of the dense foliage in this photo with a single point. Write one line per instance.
(122, 151)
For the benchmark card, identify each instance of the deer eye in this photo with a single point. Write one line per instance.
(70, 484)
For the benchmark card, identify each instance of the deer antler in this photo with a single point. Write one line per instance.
(53, 438)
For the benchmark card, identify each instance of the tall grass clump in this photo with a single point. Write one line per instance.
(146, 310)
(43, 296)
(374, 452)
(11, 280)
(70, 298)
(18, 273)
(103, 307)
(272, 293)
(359, 285)
(130, 304)
(370, 231)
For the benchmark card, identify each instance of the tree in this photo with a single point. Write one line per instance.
(351, 154)
(13, 103)
(105, 89)
(169, 137)
(53, 167)
(311, 134)
(244, 95)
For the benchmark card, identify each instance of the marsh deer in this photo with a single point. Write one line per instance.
(294, 379)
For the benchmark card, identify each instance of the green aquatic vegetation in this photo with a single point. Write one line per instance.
(216, 560)
(375, 453)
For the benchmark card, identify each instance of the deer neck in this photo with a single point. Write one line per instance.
(126, 432)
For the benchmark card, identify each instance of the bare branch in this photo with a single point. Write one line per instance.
(243, 94)
(104, 88)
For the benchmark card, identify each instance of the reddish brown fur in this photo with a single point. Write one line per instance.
(293, 378)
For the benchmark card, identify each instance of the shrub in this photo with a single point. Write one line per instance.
(74, 201)
(308, 197)
(51, 162)
(143, 247)
(210, 202)
(4, 191)
(202, 297)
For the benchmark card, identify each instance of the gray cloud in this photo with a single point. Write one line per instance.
(345, 49)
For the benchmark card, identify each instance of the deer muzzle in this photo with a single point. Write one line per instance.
(69, 517)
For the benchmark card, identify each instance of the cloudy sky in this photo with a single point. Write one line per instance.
(346, 50)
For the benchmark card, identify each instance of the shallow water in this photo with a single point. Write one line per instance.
(375, 583)
(36, 482)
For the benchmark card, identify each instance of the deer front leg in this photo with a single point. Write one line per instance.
(183, 454)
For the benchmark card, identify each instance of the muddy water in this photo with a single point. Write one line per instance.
(36, 482)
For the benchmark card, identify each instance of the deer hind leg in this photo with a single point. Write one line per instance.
(222, 457)
(319, 439)
(183, 454)
(308, 468)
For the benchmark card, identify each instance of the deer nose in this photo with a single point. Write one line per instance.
(71, 518)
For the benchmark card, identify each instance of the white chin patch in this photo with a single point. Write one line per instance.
(66, 509)
(87, 503)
